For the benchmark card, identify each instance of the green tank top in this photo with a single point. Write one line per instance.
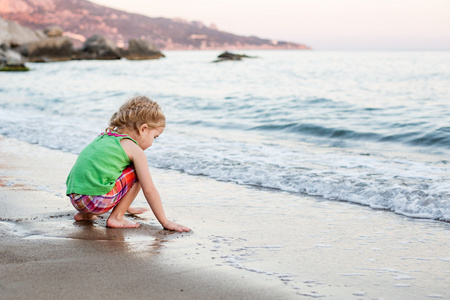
(98, 166)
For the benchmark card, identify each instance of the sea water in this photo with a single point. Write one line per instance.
(371, 128)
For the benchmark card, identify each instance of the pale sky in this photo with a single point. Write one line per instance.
(321, 24)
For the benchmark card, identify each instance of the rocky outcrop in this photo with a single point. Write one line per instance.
(12, 34)
(18, 44)
(54, 47)
(81, 18)
(12, 67)
(51, 49)
(54, 31)
(9, 56)
(231, 56)
(98, 47)
(10, 60)
(142, 49)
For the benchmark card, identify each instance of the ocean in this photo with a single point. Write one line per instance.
(370, 128)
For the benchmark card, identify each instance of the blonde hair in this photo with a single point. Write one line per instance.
(135, 112)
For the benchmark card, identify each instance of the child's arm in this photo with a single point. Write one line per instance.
(151, 194)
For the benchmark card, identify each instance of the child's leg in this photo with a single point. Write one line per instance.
(79, 216)
(137, 210)
(82, 204)
(116, 219)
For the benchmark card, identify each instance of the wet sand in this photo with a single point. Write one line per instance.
(246, 243)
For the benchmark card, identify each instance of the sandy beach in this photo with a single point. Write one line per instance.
(300, 247)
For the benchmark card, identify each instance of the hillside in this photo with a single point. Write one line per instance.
(80, 19)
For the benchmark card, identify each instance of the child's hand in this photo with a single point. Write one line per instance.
(175, 227)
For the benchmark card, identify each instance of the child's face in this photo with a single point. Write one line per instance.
(148, 135)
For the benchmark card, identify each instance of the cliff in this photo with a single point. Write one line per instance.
(80, 19)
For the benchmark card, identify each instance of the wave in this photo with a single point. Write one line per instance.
(320, 131)
(437, 138)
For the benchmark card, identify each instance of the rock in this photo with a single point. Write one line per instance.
(98, 47)
(22, 49)
(13, 34)
(9, 56)
(50, 49)
(142, 49)
(10, 61)
(54, 31)
(13, 67)
(231, 56)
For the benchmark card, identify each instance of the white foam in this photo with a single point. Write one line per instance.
(242, 255)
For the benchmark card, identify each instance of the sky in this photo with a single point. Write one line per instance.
(320, 24)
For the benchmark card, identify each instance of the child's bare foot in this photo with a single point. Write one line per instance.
(124, 223)
(137, 210)
(79, 216)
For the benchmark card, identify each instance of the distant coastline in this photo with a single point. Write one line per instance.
(81, 19)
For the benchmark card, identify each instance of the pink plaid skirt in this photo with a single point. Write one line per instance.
(98, 205)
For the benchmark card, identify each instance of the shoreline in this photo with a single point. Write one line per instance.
(243, 245)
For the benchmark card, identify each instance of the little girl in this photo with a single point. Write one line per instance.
(111, 170)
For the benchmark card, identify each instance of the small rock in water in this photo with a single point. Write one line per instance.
(231, 56)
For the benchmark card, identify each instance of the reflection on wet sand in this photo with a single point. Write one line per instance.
(145, 239)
